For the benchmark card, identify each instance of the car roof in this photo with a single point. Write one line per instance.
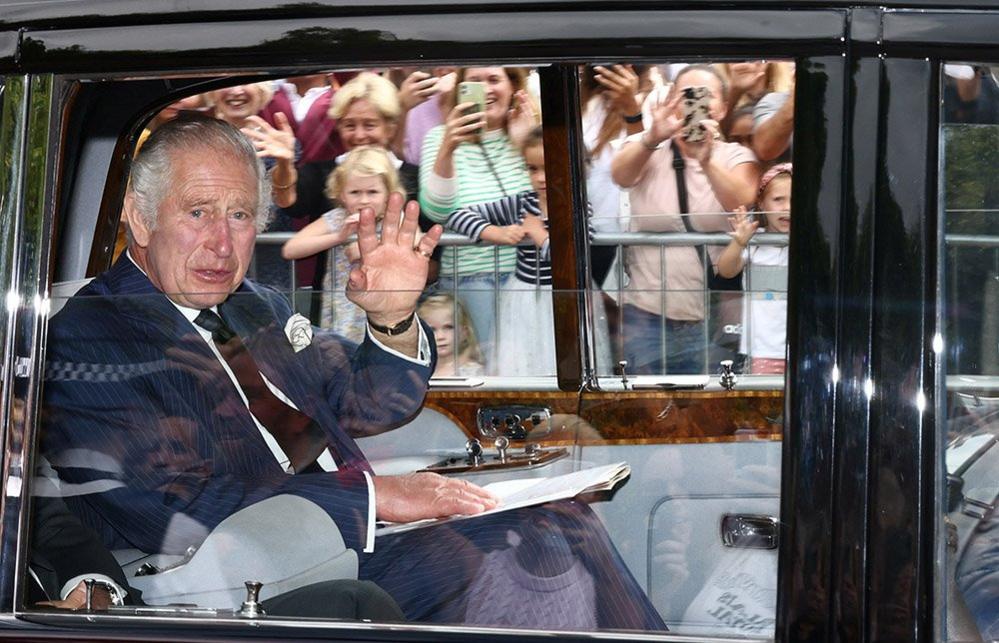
(86, 13)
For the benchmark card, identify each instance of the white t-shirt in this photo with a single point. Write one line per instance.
(764, 317)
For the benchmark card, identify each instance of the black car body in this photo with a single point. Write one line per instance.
(864, 412)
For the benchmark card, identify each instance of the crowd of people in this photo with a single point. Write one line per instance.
(335, 143)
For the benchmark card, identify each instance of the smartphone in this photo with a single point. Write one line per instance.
(473, 92)
(694, 105)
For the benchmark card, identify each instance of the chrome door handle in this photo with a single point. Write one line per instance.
(748, 531)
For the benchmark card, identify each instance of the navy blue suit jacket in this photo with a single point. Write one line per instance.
(148, 431)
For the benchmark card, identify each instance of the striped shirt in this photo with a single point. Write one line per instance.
(534, 264)
(484, 172)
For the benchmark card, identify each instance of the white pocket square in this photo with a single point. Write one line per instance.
(299, 332)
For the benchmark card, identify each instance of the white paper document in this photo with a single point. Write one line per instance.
(524, 492)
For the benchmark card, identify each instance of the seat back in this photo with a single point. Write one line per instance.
(284, 542)
(61, 291)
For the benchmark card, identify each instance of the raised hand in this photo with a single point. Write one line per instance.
(621, 83)
(666, 121)
(745, 77)
(392, 270)
(417, 496)
(277, 143)
(701, 150)
(523, 118)
(743, 226)
(462, 127)
(417, 88)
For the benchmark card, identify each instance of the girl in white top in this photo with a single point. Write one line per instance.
(364, 179)
(765, 274)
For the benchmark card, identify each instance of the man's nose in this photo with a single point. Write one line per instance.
(219, 238)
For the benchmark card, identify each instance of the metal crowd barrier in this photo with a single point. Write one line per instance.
(622, 239)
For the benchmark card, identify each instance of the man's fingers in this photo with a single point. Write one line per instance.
(429, 241)
(478, 492)
(367, 239)
(463, 497)
(390, 224)
(410, 224)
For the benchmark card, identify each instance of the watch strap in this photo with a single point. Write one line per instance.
(396, 329)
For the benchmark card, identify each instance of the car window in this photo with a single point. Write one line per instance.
(689, 293)
(969, 303)
(692, 271)
(180, 418)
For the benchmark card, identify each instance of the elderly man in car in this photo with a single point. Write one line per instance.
(179, 392)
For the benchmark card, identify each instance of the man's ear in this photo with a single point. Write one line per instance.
(136, 222)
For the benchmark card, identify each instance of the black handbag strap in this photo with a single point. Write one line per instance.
(681, 187)
(711, 280)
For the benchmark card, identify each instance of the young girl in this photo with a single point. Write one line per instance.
(765, 278)
(525, 325)
(364, 179)
(457, 349)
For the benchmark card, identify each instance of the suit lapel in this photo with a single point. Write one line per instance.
(296, 374)
(192, 363)
(261, 326)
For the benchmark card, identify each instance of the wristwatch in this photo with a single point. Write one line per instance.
(397, 329)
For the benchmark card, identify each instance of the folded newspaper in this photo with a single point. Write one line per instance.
(524, 492)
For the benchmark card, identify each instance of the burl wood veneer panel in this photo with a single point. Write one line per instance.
(633, 417)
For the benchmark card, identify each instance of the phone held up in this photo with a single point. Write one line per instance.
(473, 92)
(694, 105)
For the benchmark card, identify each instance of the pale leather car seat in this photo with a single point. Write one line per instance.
(284, 542)
(61, 292)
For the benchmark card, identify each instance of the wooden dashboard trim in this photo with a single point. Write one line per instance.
(632, 417)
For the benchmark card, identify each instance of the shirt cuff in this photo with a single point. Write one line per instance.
(76, 580)
(439, 188)
(369, 538)
(422, 350)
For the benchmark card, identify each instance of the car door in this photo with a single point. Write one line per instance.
(702, 460)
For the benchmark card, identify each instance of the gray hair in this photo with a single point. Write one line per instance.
(152, 167)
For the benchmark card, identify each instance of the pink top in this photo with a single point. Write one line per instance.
(655, 208)
(420, 120)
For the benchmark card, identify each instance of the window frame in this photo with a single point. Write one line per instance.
(821, 200)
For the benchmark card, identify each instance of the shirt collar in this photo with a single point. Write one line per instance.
(189, 313)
